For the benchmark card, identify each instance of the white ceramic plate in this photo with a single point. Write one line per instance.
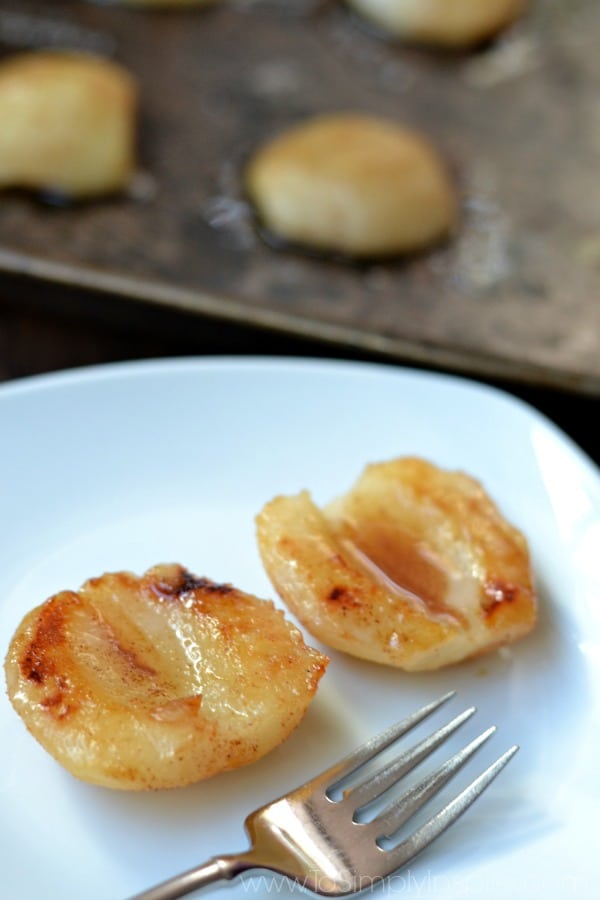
(129, 465)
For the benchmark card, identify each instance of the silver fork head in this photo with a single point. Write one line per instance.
(323, 834)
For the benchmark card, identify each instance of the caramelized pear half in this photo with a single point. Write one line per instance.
(414, 567)
(159, 681)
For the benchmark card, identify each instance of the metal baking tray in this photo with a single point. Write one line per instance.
(514, 294)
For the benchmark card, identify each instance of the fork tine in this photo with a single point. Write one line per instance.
(403, 808)
(341, 770)
(312, 840)
(374, 786)
(423, 836)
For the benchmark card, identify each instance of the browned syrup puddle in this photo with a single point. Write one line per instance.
(402, 566)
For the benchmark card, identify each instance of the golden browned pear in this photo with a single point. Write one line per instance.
(68, 124)
(414, 567)
(443, 23)
(160, 680)
(352, 184)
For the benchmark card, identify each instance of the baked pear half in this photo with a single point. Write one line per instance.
(159, 681)
(414, 567)
(352, 185)
(69, 124)
(454, 24)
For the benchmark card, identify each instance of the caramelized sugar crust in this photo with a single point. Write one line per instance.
(159, 681)
(414, 567)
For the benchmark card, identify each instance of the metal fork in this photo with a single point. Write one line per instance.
(321, 836)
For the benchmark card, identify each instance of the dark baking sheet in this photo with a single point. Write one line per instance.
(515, 293)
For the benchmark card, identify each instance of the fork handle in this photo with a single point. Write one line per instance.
(222, 868)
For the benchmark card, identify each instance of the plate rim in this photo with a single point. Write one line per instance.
(130, 368)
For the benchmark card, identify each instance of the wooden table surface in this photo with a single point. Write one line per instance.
(37, 338)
